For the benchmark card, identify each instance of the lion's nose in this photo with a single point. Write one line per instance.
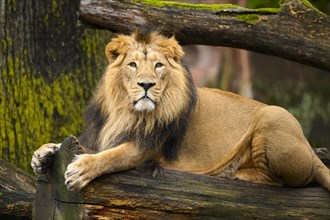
(146, 85)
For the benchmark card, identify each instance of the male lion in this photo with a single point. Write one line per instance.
(146, 108)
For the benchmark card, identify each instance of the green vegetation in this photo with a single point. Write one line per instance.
(308, 102)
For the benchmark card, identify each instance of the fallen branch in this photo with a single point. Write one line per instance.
(135, 194)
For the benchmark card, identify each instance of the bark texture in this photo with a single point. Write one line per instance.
(17, 190)
(49, 65)
(135, 194)
(296, 31)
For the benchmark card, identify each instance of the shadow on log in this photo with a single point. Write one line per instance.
(135, 194)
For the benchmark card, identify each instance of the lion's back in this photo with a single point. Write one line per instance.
(222, 109)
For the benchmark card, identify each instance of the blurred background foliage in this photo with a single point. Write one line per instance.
(50, 64)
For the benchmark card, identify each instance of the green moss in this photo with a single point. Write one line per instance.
(187, 6)
(27, 115)
(249, 18)
(211, 7)
(35, 110)
(47, 20)
(268, 10)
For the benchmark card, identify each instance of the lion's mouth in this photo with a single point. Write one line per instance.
(145, 103)
(144, 97)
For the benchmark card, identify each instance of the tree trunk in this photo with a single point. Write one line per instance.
(135, 194)
(17, 190)
(48, 66)
(297, 31)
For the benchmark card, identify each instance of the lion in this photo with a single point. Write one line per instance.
(146, 108)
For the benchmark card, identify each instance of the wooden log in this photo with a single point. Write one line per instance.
(296, 31)
(324, 155)
(17, 190)
(135, 194)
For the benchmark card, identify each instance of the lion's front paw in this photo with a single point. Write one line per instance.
(80, 172)
(41, 159)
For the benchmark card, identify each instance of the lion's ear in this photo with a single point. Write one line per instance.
(116, 47)
(175, 49)
(171, 48)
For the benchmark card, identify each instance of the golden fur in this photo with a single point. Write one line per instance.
(146, 108)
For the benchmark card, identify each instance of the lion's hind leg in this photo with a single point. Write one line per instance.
(288, 155)
(255, 167)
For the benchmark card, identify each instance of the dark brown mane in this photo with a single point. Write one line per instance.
(142, 36)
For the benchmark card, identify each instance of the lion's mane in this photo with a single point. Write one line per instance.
(110, 118)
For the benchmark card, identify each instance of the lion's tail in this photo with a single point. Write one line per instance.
(321, 173)
(230, 164)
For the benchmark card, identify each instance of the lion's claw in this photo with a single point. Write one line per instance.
(41, 159)
(80, 172)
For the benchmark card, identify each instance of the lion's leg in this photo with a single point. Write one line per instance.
(87, 167)
(287, 154)
(255, 165)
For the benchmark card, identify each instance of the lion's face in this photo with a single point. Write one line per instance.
(145, 74)
(146, 67)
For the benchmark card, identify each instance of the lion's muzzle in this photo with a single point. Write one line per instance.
(145, 102)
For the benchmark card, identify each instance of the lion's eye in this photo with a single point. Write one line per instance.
(132, 64)
(159, 65)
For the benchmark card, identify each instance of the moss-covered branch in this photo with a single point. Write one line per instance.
(297, 31)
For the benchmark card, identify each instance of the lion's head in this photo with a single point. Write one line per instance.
(148, 70)
(144, 90)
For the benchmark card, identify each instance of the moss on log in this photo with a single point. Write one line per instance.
(49, 66)
(135, 194)
(297, 31)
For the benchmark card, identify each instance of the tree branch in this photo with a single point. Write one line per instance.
(297, 31)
